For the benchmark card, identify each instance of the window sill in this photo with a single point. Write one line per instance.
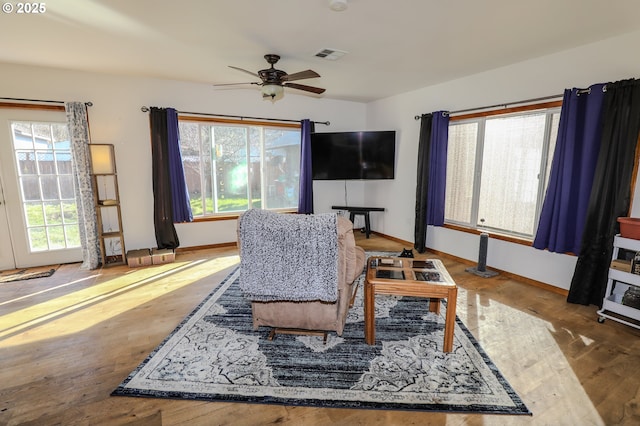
(493, 234)
(215, 218)
(234, 216)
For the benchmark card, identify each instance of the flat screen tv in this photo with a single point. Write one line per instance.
(353, 155)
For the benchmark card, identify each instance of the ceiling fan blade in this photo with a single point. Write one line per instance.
(312, 89)
(301, 75)
(235, 84)
(243, 70)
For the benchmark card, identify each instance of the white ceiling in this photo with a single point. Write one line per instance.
(393, 46)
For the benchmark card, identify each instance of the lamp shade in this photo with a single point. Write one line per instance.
(102, 159)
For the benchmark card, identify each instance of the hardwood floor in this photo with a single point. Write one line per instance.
(67, 341)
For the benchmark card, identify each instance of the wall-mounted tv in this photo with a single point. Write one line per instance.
(353, 155)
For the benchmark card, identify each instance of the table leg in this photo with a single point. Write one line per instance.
(450, 320)
(434, 305)
(369, 314)
(367, 224)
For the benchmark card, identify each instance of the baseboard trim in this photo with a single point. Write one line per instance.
(525, 280)
(529, 281)
(397, 240)
(205, 247)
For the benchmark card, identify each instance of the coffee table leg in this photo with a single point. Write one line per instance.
(369, 314)
(450, 320)
(434, 305)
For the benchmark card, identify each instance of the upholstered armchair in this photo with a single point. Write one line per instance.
(298, 270)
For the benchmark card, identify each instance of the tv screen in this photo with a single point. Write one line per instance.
(353, 155)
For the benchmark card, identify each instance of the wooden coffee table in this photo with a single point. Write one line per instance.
(409, 277)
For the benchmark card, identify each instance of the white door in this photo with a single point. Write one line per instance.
(6, 251)
(38, 217)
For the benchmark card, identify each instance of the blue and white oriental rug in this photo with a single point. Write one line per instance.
(215, 355)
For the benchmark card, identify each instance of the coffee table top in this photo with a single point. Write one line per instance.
(390, 270)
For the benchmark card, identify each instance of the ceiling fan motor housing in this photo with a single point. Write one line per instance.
(272, 76)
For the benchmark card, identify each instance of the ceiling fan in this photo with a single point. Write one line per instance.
(273, 81)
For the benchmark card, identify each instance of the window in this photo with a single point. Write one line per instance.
(234, 166)
(498, 169)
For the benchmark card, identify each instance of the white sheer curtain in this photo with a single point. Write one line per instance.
(494, 170)
(79, 133)
(461, 160)
(510, 169)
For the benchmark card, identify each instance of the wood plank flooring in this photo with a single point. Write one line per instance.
(67, 341)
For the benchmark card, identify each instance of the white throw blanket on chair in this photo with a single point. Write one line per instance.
(288, 256)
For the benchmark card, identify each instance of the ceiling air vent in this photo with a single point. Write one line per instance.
(331, 54)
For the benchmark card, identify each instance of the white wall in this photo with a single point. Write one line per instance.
(608, 60)
(115, 117)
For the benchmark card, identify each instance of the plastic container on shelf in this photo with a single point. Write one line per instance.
(630, 227)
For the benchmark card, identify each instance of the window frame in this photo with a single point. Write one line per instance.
(243, 123)
(480, 117)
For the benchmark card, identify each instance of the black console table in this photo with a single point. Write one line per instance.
(360, 211)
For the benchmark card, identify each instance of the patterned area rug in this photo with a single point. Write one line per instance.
(215, 355)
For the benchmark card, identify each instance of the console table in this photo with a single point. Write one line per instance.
(360, 211)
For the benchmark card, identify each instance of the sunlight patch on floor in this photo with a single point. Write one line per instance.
(507, 334)
(65, 314)
(47, 290)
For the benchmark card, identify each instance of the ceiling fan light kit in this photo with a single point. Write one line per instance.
(272, 91)
(338, 5)
(273, 81)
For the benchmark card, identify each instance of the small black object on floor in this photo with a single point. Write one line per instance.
(406, 253)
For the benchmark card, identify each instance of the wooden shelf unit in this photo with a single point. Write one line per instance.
(107, 203)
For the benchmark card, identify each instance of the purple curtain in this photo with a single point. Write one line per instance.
(565, 205)
(305, 198)
(438, 168)
(611, 193)
(431, 177)
(181, 204)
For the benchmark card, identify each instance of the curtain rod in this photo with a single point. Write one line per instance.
(41, 101)
(326, 123)
(417, 117)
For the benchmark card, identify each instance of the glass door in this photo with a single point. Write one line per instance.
(37, 178)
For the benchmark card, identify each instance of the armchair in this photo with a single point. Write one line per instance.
(298, 270)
